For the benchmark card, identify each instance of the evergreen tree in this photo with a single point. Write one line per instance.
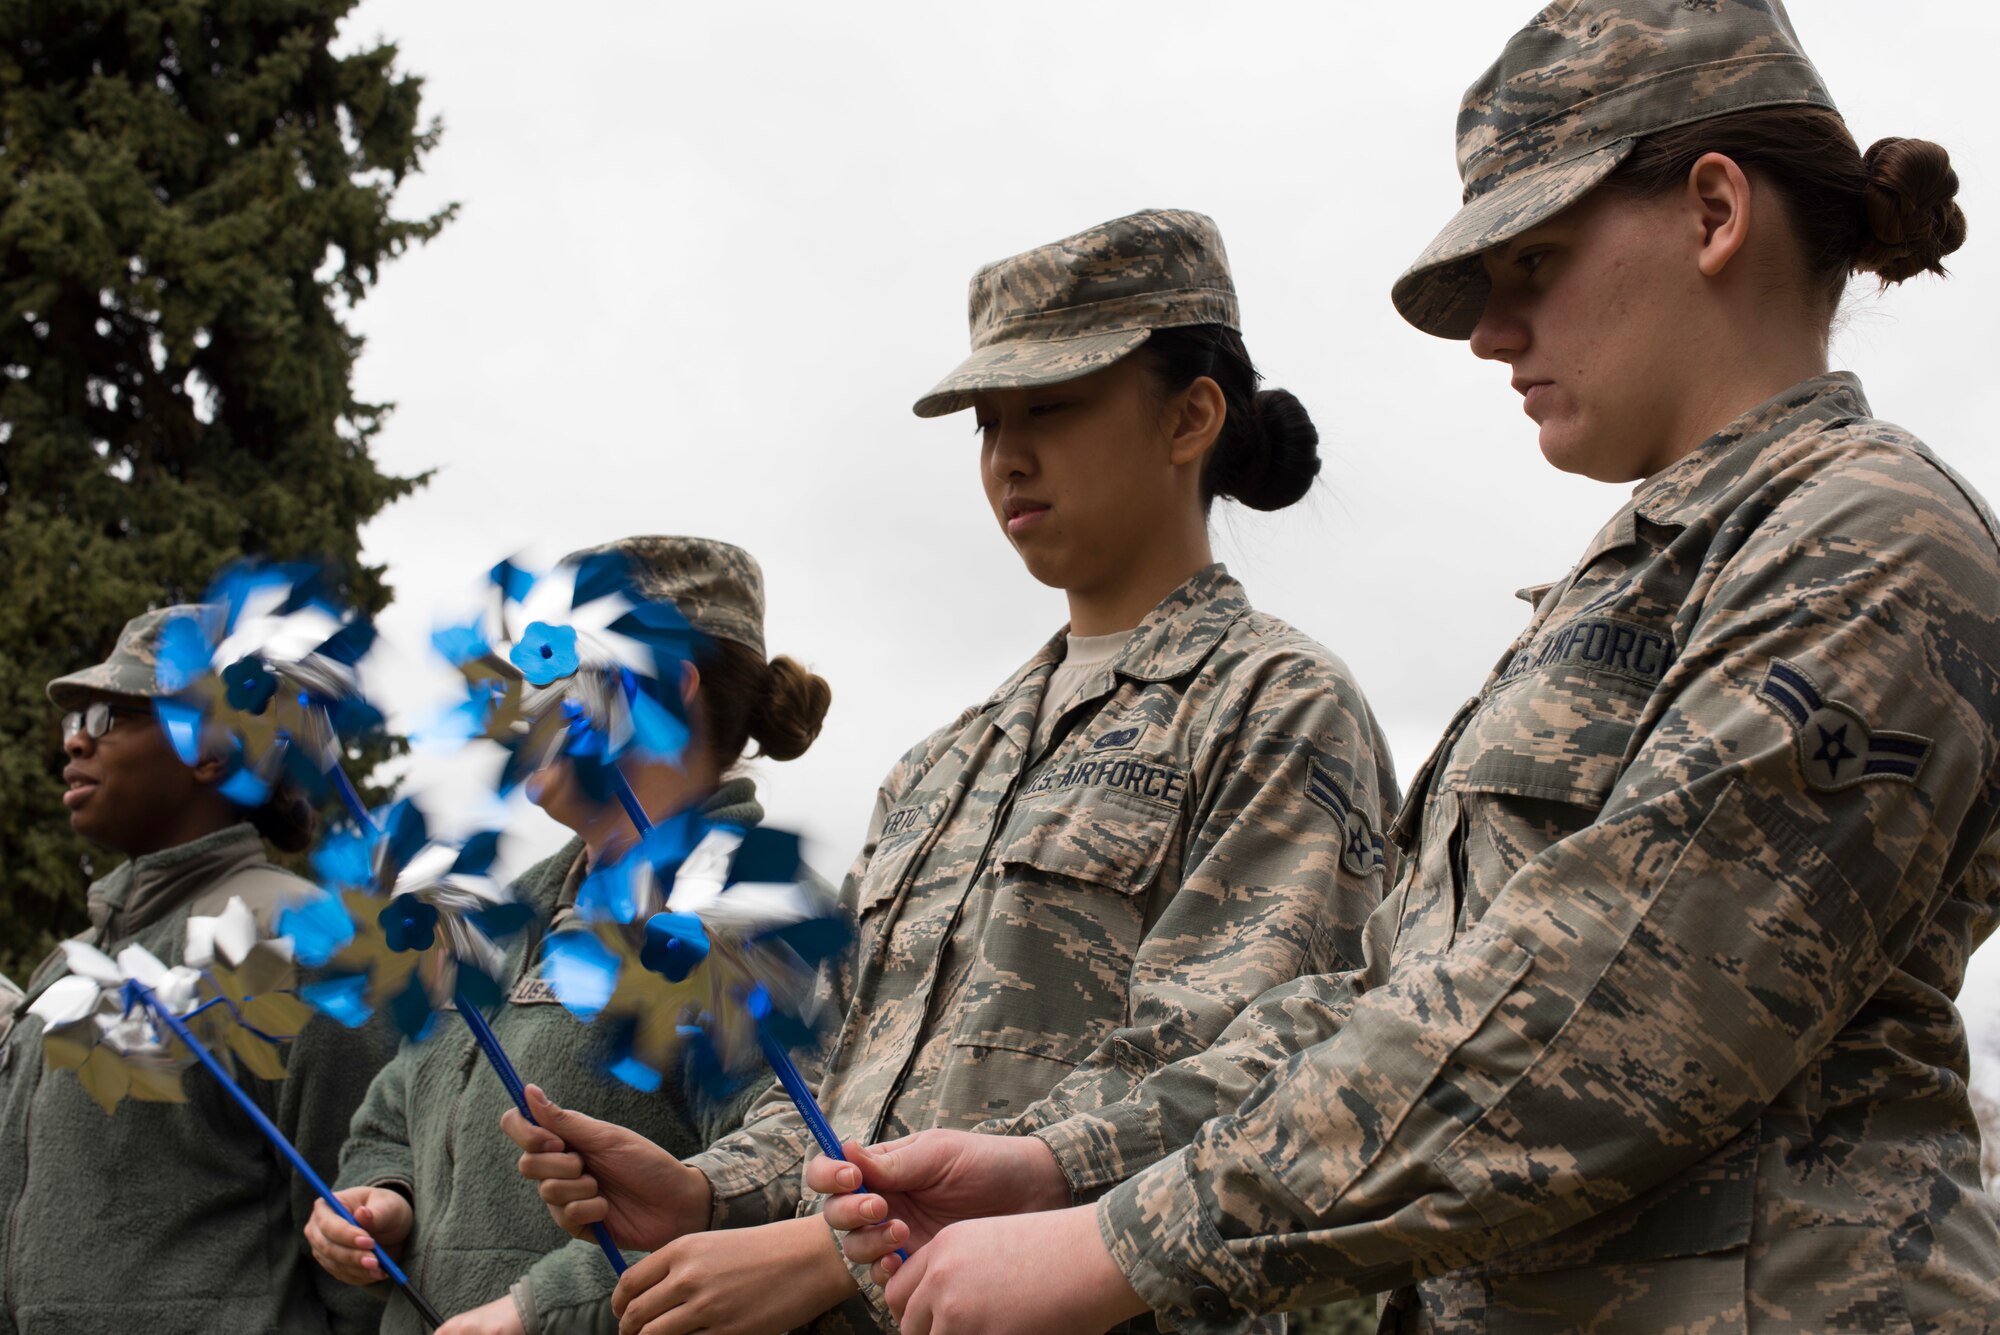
(192, 195)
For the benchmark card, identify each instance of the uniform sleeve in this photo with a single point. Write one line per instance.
(754, 1171)
(1637, 994)
(330, 1069)
(1285, 863)
(377, 1152)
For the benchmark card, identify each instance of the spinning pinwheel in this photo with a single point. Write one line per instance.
(703, 942)
(578, 662)
(406, 922)
(132, 1026)
(270, 663)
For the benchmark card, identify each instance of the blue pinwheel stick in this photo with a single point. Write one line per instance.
(482, 1032)
(144, 995)
(759, 1003)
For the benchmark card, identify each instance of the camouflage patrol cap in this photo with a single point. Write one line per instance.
(1566, 103)
(717, 587)
(130, 668)
(1077, 305)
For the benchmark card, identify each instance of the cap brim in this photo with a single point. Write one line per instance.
(1026, 363)
(1444, 292)
(80, 688)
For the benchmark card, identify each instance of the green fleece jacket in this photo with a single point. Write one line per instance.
(173, 1216)
(430, 1127)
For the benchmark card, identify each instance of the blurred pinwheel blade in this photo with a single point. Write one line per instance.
(268, 669)
(699, 944)
(576, 663)
(233, 991)
(409, 921)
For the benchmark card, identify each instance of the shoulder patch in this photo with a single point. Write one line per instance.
(1362, 850)
(1837, 749)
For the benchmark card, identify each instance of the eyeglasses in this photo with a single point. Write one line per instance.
(94, 720)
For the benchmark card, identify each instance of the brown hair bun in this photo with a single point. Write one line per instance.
(1910, 206)
(788, 718)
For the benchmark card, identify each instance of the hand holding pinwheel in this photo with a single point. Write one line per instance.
(132, 1027)
(703, 945)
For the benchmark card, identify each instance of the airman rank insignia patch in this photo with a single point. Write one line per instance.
(1362, 850)
(1112, 741)
(1837, 748)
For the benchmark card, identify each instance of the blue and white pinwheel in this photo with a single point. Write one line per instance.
(699, 947)
(271, 664)
(406, 921)
(578, 662)
(233, 992)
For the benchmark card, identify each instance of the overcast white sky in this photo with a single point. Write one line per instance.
(708, 256)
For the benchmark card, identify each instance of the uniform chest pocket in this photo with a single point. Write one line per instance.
(1536, 764)
(1073, 871)
(905, 832)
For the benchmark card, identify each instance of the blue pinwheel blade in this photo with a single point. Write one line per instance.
(182, 722)
(656, 729)
(351, 643)
(406, 830)
(766, 856)
(345, 857)
(477, 855)
(411, 1010)
(581, 971)
(603, 574)
(815, 940)
(245, 789)
(184, 654)
(512, 581)
(622, 1063)
(319, 927)
(502, 920)
(461, 644)
(345, 998)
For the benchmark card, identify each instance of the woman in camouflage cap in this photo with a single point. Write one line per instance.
(1660, 1033)
(1175, 804)
(426, 1167)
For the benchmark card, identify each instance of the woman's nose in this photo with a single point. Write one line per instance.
(1500, 335)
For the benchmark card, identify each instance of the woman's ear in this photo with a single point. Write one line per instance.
(211, 770)
(1723, 201)
(690, 684)
(1199, 412)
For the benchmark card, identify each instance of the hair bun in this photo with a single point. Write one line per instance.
(1280, 467)
(1911, 215)
(788, 718)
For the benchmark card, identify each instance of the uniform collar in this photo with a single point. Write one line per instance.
(153, 885)
(1174, 638)
(1678, 496)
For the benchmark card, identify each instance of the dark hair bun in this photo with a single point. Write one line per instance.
(786, 720)
(1912, 217)
(1276, 465)
(286, 821)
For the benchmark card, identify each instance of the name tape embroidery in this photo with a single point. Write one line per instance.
(1599, 644)
(1161, 783)
(1837, 748)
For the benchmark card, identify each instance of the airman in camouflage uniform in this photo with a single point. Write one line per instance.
(1657, 1031)
(1058, 896)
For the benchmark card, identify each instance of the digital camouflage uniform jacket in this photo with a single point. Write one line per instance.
(174, 1216)
(1667, 1042)
(430, 1127)
(1202, 824)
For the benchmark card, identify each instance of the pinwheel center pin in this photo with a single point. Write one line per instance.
(409, 924)
(249, 684)
(675, 944)
(545, 654)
